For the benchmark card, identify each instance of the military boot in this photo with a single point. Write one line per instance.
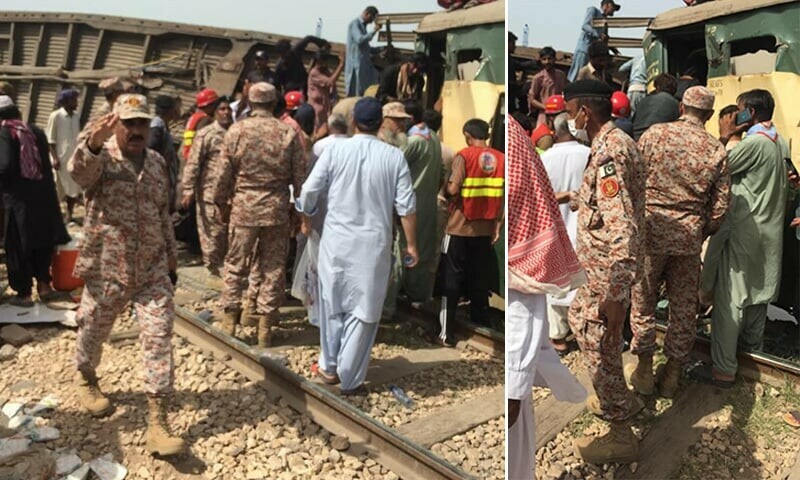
(264, 331)
(640, 376)
(158, 439)
(593, 405)
(619, 445)
(90, 396)
(229, 320)
(249, 316)
(668, 377)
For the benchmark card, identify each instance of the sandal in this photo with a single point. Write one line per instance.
(792, 418)
(703, 373)
(327, 378)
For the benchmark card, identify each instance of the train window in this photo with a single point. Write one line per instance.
(753, 55)
(469, 63)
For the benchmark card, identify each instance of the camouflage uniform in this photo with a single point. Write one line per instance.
(688, 191)
(610, 213)
(264, 157)
(128, 247)
(200, 176)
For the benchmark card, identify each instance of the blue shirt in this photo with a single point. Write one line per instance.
(588, 33)
(359, 72)
(638, 70)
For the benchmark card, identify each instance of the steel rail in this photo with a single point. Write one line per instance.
(752, 365)
(481, 338)
(386, 447)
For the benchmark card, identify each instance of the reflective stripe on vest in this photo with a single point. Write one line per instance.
(482, 189)
(191, 131)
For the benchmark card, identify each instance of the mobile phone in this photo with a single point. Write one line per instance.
(743, 117)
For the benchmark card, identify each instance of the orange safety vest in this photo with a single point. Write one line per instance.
(482, 190)
(189, 133)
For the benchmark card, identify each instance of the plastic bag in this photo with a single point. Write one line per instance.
(304, 284)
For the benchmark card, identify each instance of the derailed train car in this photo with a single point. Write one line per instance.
(467, 49)
(40, 53)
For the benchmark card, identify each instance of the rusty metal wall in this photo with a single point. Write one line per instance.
(55, 44)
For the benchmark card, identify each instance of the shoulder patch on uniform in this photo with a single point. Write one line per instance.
(609, 187)
(607, 170)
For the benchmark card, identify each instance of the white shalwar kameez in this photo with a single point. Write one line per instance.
(365, 180)
(531, 360)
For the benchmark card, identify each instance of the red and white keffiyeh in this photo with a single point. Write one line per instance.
(540, 256)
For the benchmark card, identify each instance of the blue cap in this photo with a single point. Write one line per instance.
(368, 112)
(65, 94)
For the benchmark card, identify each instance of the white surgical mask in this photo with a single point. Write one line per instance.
(580, 135)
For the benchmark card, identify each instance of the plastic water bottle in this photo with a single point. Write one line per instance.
(401, 396)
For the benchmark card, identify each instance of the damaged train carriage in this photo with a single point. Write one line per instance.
(40, 53)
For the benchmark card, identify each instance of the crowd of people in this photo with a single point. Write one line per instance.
(662, 207)
(357, 198)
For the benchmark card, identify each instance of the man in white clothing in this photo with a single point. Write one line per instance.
(536, 237)
(565, 163)
(63, 128)
(366, 181)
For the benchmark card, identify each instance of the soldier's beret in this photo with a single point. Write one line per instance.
(587, 88)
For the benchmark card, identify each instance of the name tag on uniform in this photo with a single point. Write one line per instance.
(607, 170)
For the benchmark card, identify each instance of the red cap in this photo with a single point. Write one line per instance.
(554, 104)
(294, 99)
(620, 105)
(541, 131)
(206, 97)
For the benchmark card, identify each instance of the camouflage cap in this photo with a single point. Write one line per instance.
(395, 110)
(699, 97)
(262, 92)
(132, 105)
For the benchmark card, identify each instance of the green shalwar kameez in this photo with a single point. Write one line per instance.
(742, 266)
(423, 153)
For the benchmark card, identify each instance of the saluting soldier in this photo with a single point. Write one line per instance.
(688, 191)
(200, 177)
(610, 216)
(128, 255)
(262, 157)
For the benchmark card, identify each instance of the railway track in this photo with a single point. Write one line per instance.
(404, 445)
(327, 409)
(671, 431)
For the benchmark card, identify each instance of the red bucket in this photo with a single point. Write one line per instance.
(64, 260)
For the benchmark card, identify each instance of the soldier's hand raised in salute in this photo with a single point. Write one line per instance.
(102, 131)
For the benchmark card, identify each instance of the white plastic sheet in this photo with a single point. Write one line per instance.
(36, 314)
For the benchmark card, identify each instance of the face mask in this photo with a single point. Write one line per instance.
(580, 134)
